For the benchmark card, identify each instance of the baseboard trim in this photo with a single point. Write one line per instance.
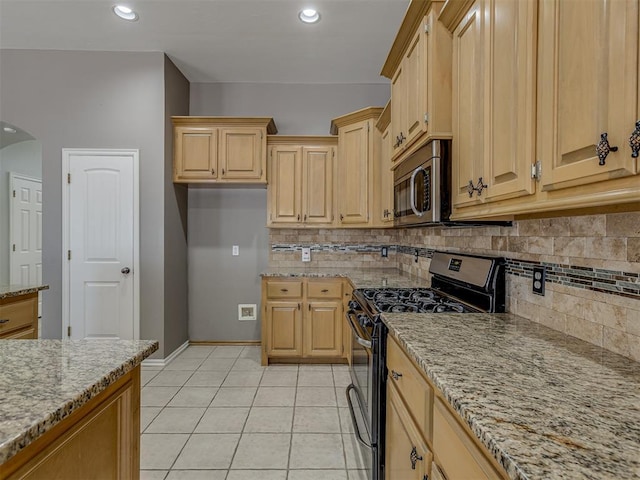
(163, 362)
(223, 343)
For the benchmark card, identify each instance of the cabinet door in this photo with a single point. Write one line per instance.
(588, 62)
(195, 153)
(510, 72)
(323, 329)
(468, 105)
(416, 88)
(285, 185)
(386, 178)
(242, 154)
(284, 329)
(407, 454)
(398, 109)
(353, 173)
(317, 184)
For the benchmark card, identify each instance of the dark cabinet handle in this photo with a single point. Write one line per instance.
(395, 375)
(480, 186)
(634, 141)
(298, 306)
(470, 188)
(341, 217)
(213, 172)
(414, 457)
(223, 171)
(603, 148)
(284, 290)
(298, 217)
(4, 320)
(305, 217)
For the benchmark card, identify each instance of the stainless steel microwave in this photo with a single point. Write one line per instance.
(422, 185)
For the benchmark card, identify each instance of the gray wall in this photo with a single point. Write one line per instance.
(69, 99)
(220, 218)
(176, 302)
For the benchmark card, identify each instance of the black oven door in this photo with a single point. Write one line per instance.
(360, 394)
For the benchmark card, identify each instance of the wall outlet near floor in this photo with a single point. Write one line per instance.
(539, 278)
(384, 252)
(306, 254)
(246, 311)
(235, 250)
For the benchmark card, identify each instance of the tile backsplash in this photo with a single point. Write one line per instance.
(592, 263)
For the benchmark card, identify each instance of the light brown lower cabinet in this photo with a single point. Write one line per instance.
(19, 317)
(407, 455)
(423, 435)
(303, 319)
(100, 440)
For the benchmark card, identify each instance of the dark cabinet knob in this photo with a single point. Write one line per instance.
(603, 148)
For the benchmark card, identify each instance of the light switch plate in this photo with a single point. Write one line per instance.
(235, 250)
(539, 277)
(306, 254)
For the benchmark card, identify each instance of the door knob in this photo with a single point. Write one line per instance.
(126, 270)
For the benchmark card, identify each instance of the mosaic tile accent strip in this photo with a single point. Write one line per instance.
(331, 247)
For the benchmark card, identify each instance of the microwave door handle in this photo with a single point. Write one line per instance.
(412, 201)
(365, 343)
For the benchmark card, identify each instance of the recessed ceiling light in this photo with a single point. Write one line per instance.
(309, 15)
(125, 13)
(9, 130)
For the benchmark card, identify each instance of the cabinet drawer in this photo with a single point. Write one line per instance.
(324, 289)
(457, 453)
(417, 394)
(284, 289)
(17, 314)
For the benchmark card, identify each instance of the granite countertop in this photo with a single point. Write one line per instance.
(7, 291)
(43, 381)
(547, 405)
(360, 277)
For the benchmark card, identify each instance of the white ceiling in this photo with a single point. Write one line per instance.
(221, 40)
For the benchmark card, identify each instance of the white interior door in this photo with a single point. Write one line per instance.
(102, 243)
(25, 267)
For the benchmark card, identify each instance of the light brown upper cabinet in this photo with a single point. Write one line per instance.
(588, 54)
(358, 168)
(419, 67)
(221, 149)
(383, 125)
(301, 181)
(536, 84)
(494, 101)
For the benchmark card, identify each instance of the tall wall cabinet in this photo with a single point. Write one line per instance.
(301, 181)
(538, 89)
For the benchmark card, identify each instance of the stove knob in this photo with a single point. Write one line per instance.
(364, 320)
(353, 305)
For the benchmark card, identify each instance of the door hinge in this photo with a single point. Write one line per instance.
(427, 28)
(14, 247)
(536, 170)
(14, 194)
(261, 135)
(68, 254)
(68, 331)
(426, 118)
(68, 178)
(368, 127)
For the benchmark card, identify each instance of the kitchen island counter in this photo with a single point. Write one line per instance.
(43, 382)
(545, 404)
(8, 291)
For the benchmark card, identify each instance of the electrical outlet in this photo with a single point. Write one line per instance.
(384, 251)
(246, 311)
(235, 250)
(539, 278)
(415, 256)
(306, 254)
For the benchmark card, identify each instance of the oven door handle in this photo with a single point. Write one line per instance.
(362, 341)
(356, 429)
(412, 200)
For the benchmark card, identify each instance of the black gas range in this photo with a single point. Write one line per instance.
(460, 283)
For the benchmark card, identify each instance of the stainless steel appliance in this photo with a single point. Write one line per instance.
(460, 283)
(422, 185)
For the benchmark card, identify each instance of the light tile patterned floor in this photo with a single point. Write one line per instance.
(215, 413)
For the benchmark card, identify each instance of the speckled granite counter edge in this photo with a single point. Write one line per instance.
(21, 291)
(503, 459)
(18, 443)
